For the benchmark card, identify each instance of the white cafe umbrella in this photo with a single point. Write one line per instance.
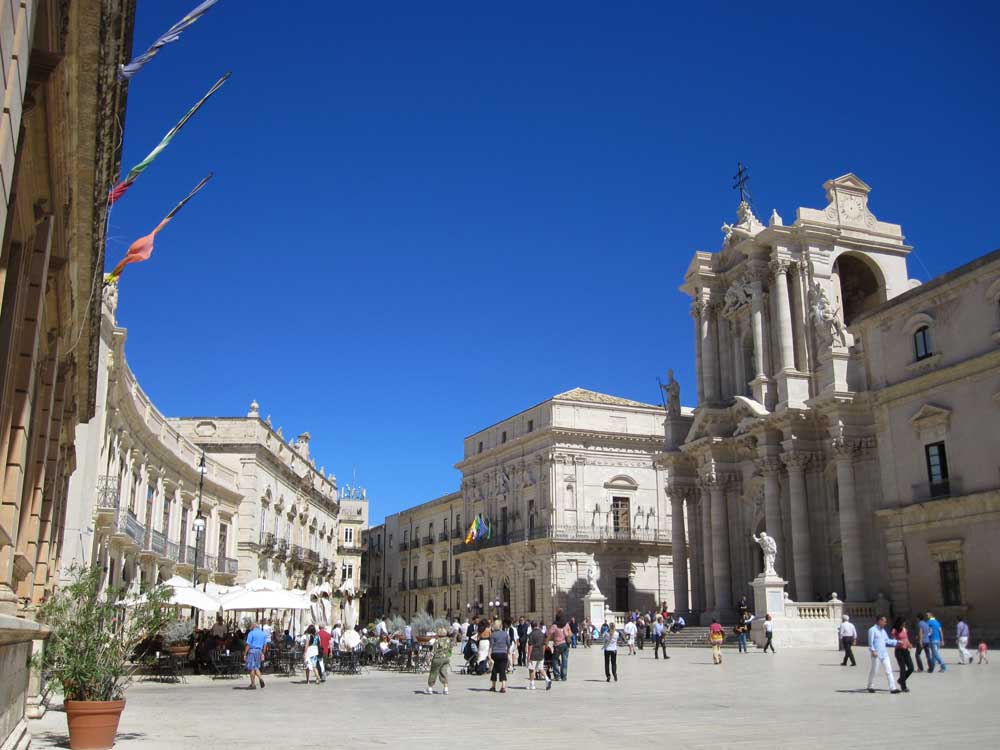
(250, 600)
(262, 584)
(177, 582)
(183, 597)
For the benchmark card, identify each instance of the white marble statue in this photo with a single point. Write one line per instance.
(770, 549)
(826, 317)
(592, 578)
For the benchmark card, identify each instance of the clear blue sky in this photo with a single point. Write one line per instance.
(429, 216)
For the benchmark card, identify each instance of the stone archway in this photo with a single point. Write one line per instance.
(862, 287)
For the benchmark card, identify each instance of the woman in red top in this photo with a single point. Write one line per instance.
(902, 639)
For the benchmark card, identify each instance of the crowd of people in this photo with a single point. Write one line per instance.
(498, 646)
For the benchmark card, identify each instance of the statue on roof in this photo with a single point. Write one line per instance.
(672, 392)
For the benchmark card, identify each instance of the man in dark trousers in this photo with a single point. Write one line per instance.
(522, 640)
(848, 637)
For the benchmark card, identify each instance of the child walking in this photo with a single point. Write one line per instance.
(716, 637)
(983, 658)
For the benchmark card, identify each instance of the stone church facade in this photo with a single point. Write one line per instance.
(810, 383)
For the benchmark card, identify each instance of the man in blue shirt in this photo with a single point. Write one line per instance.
(254, 653)
(878, 640)
(923, 641)
(936, 640)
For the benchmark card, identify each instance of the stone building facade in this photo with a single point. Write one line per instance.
(59, 153)
(797, 358)
(269, 511)
(935, 385)
(565, 484)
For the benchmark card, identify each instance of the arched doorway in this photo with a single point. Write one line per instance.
(861, 285)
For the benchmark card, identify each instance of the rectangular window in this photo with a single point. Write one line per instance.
(402, 577)
(531, 428)
(184, 527)
(458, 569)
(458, 524)
(390, 541)
(937, 469)
(532, 602)
(413, 578)
(503, 437)
(444, 572)
(480, 599)
(480, 447)
(223, 539)
(951, 587)
(430, 569)
(620, 514)
(347, 572)
(348, 535)
(503, 524)
(922, 343)
(165, 523)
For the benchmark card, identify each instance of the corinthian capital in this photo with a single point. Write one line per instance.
(697, 308)
(778, 266)
(796, 460)
(769, 466)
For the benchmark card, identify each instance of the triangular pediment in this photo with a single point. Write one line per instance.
(849, 181)
(929, 417)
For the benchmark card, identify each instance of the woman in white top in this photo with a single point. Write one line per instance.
(311, 655)
(611, 653)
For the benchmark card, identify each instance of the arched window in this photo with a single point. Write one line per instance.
(922, 347)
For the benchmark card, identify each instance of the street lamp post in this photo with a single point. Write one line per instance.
(199, 527)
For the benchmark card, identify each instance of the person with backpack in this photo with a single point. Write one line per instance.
(440, 661)
(535, 653)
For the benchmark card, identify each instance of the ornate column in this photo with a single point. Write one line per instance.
(707, 560)
(799, 507)
(709, 350)
(771, 468)
(726, 365)
(761, 384)
(696, 308)
(786, 350)
(720, 539)
(680, 553)
(845, 450)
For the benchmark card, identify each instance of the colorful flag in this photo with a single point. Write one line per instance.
(470, 537)
(119, 190)
(489, 530)
(125, 72)
(142, 248)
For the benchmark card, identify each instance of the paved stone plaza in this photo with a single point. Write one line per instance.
(793, 699)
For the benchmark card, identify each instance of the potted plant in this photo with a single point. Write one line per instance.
(91, 651)
(176, 636)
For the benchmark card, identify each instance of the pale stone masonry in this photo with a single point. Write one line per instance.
(60, 136)
(846, 410)
(568, 483)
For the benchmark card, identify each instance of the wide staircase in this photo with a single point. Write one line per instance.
(696, 636)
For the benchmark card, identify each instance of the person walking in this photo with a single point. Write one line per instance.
(310, 654)
(522, 640)
(848, 635)
(936, 641)
(559, 633)
(962, 639)
(903, 659)
(440, 661)
(325, 639)
(923, 641)
(483, 646)
(610, 641)
(768, 633)
(588, 633)
(660, 638)
(535, 653)
(630, 631)
(500, 645)
(574, 630)
(878, 640)
(253, 654)
(716, 638)
(983, 653)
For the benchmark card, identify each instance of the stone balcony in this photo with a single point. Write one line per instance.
(940, 490)
(607, 535)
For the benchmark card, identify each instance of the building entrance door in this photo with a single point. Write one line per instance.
(621, 595)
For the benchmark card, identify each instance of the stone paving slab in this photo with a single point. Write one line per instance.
(793, 699)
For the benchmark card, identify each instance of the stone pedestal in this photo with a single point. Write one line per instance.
(593, 607)
(768, 599)
(833, 363)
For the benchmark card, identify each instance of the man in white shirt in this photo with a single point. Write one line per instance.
(268, 630)
(335, 637)
(630, 631)
(218, 629)
(381, 629)
(878, 641)
(848, 637)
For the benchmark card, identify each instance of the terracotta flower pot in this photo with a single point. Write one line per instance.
(93, 724)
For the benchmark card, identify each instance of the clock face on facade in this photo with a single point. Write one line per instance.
(852, 208)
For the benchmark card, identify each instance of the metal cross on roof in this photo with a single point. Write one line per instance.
(740, 180)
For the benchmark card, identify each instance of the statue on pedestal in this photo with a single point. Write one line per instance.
(592, 578)
(770, 549)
